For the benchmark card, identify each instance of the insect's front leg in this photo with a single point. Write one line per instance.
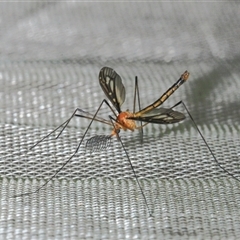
(64, 125)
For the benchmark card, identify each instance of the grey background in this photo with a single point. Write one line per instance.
(50, 57)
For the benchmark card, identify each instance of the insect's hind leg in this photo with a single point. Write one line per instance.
(204, 140)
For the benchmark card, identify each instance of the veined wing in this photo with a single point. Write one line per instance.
(112, 86)
(160, 116)
(90, 116)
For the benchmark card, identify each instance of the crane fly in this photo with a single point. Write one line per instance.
(112, 86)
(114, 89)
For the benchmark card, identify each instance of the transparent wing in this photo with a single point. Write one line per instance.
(112, 86)
(161, 116)
(98, 142)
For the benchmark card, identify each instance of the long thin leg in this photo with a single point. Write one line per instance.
(135, 175)
(67, 122)
(63, 124)
(199, 132)
(137, 95)
(84, 114)
(69, 159)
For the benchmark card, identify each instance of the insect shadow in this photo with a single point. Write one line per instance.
(114, 89)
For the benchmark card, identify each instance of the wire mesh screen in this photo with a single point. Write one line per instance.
(51, 55)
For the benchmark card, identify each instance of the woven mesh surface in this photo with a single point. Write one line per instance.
(51, 55)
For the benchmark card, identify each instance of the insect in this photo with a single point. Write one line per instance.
(112, 86)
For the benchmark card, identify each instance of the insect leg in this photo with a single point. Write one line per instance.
(135, 175)
(64, 126)
(209, 149)
(90, 116)
(69, 159)
(137, 95)
(99, 142)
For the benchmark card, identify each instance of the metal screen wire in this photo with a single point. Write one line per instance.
(51, 55)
